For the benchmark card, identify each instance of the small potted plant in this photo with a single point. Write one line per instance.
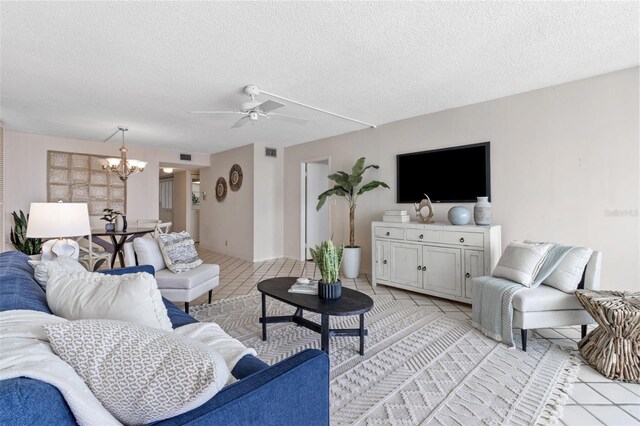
(348, 186)
(18, 235)
(328, 259)
(110, 215)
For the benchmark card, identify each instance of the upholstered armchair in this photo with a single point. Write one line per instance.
(545, 306)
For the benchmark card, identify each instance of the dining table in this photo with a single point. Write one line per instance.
(118, 240)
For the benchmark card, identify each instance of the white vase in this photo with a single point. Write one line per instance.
(351, 262)
(482, 212)
(119, 223)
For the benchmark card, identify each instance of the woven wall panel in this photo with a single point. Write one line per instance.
(75, 177)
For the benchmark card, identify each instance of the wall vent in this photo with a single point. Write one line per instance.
(271, 152)
(185, 157)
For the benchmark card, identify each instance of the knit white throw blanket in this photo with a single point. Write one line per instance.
(26, 353)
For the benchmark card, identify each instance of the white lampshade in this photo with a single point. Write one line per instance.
(137, 163)
(114, 162)
(56, 220)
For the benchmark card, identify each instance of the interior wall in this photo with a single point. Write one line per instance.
(564, 167)
(268, 205)
(181, 201)
(26, 172)
(227, 227)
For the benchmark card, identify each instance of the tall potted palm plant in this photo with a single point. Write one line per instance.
(348, 186)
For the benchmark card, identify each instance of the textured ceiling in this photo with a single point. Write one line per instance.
(79, 69)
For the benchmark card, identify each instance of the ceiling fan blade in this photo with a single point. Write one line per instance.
(216, 112)
(269, 105)
(241, 122)
(289, 118)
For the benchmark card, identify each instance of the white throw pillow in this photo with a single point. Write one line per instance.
(567, 276)
(520, 262)
(139, 374)
(179, 251)
(42, 269)
(148, 253)
(91, 295)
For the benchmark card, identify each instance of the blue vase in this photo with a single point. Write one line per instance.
(459, 215)
(329, 291)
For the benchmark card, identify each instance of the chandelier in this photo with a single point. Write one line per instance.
(121, 166)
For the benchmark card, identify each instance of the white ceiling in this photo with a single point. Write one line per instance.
(79, 69)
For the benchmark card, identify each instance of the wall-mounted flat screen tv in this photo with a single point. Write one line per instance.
(457, 174)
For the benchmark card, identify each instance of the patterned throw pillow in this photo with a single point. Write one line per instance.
(139, 374)
(179, 251)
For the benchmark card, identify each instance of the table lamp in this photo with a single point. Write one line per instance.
(58, 221)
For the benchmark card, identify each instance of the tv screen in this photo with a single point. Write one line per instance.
(450, 175)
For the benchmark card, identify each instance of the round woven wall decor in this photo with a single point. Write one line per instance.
(221, 189)
(235, 177)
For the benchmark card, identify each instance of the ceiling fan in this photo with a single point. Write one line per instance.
(253, 110)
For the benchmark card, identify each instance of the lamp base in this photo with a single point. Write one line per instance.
(60, 247)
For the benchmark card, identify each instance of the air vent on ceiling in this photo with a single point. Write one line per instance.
(270, 152)
(185, 157)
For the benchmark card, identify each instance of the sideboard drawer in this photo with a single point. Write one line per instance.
(423, 235)
(464, 238)
(389, 232)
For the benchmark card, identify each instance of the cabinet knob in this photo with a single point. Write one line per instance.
(462, 240)
(388, 234)
(384, 261)
(424, 268)
(468, 275)
(419, 268)
(421, 236)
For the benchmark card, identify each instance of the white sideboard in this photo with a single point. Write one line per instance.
(436, 259)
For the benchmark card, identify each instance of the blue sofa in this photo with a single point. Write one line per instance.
(292, 392)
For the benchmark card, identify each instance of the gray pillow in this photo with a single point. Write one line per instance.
(179, 251)
(566, 277)
(139, 374)
(520, 262)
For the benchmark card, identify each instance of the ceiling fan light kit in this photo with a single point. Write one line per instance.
(253, 110)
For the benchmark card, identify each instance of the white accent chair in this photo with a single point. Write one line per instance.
(545, 306)
(185, 286)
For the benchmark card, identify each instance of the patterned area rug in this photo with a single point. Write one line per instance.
(418, 368)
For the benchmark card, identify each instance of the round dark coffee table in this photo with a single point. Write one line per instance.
(351, 302)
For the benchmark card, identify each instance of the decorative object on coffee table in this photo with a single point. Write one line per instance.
(348, 186)
(221, 189)
(424, 210)
(235, 177)
(352, 302)
(459, 215)
(328, 259)
(482, 212)
(613, 348)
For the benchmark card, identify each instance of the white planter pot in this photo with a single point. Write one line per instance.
(351, 262)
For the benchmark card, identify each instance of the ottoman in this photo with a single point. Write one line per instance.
(613, 348)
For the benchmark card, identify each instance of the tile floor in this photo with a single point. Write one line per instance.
(594, 400)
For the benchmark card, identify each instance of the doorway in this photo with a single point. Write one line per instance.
(165, 208)
(315, 224)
